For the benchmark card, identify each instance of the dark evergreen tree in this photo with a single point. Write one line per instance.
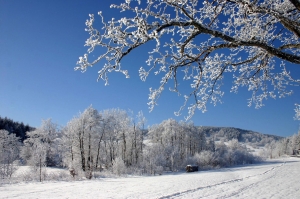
(17, 128)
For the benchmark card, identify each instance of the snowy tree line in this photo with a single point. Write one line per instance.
(116, 141)
(18, 128)
(285, 146)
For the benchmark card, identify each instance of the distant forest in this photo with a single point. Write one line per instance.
(17, 128)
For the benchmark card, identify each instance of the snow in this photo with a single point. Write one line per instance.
(272, 179)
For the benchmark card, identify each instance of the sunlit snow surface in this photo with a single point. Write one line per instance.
(274, 179)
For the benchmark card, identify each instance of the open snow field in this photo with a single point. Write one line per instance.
(274, 179)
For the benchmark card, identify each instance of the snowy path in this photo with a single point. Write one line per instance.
(277, 179)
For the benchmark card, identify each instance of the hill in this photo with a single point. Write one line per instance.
(228, 133)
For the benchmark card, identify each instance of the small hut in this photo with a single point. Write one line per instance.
(191, 168)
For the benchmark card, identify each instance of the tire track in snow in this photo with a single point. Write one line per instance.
(177, 194)
(199, 188)
(256, 183)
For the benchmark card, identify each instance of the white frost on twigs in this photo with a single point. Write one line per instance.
(202, 42)
(297, 110)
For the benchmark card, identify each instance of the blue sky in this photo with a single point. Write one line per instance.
(39, 46)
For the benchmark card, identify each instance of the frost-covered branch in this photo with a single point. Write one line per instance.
(255, 41)
(297, 110)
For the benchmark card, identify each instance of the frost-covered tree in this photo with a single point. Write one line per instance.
(232, 153)
(270, 147)
(9, 152)
(153, 159)
(238, 154)
(123, 136)
(295, 143)
(109, 139)
(47, 135)
(283, 147)
(119, 167)
(39, 157)
(257, 42)
(137, 138)
(116, 141)
(70, 143)
(177, 142)
(51, 135)
(205, 159)
(35, 151)
(80, 139)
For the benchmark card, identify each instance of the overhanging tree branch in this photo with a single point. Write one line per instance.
(200, 37)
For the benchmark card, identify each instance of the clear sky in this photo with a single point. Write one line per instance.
(40, 42)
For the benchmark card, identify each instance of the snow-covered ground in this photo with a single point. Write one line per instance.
(274, 179)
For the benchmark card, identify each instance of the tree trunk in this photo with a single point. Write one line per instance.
(124, 149)
(89, 166)
(72, 155)
(40, 168)
(135, 146)
(81, 146)
(98, 152)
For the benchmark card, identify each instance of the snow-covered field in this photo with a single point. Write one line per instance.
(274, 179)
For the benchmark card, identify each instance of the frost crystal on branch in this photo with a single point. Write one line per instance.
(201, 41)
(297, 110)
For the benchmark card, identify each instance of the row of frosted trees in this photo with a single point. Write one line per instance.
(113, 140)
(174, 143)
(285, 146)
(94, 141)
(116, 141)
